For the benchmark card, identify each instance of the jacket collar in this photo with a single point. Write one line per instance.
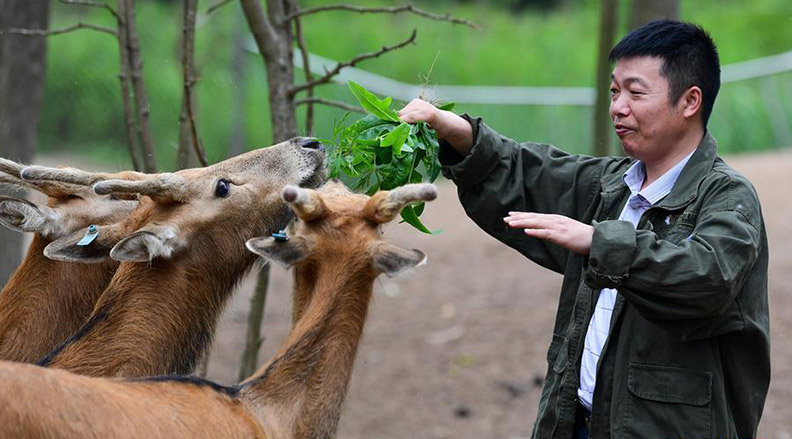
(686, 186)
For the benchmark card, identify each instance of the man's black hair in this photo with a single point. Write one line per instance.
(689, 58)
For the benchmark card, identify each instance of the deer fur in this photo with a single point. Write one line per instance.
(182, 252)
(297, 394)
(45, 301)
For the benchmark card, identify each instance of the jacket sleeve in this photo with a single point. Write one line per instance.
(696, 278)
(500, 175)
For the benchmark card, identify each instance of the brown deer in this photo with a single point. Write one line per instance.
(182, 252)
(336, 251)
(45, 301)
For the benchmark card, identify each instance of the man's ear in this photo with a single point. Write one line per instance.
(148, 243)
(691, 101)
(24, 216)
(393, 260)
(286, 253)
(79, 247)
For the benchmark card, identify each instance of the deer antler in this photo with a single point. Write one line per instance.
(62, 175)
(307, 204)
(162, 188)
(385, 205)
(9, 174)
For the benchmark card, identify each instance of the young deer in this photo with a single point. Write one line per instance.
(337, 253)
(45, 301)
(181, 251)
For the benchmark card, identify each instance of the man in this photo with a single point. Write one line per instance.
(662, 329)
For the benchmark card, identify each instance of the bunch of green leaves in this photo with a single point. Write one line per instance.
(380, 152)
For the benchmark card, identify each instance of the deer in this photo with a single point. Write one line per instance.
(181, 253)
(45, 300)
(336, 251)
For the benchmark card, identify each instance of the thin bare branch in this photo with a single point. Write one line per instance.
(329, 75)
(253, 337)
(93, 5)
(386, 10)
(330, 103)
(124, 77)
(309, 114)
(188, 131)
(139, 86)
(218, 5)
(49, 33)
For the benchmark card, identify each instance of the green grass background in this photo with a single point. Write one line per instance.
(82, 107)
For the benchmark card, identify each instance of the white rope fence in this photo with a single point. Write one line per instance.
(578, 96)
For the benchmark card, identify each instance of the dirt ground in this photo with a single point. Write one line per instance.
(457, 349)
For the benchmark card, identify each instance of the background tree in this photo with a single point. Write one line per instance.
(21, 90)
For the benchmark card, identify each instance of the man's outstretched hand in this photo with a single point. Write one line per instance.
(558, 229)
(449, 126)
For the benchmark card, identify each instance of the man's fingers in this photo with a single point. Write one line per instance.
(529, 220)
(545, 234)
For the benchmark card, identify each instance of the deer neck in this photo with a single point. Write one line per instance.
(60, 294)
(307, 379)
(153, 319)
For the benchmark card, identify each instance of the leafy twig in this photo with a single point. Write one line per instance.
(49, 33)
(388, 10)
(329, 75)
(330, 103)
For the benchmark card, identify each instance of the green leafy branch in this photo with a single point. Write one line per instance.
(380, 152)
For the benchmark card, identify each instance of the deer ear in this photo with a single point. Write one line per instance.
(24, 216)
(286, 253)
(146, 244)
(393, 260)
(80, 247)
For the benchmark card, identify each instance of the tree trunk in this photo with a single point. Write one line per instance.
(602, 123)
(21, 90)
(644, 11)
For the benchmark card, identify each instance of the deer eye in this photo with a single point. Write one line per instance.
(223, 188)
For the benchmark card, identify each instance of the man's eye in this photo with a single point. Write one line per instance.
(223, 188)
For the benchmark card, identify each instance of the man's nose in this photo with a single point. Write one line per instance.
(619, 107)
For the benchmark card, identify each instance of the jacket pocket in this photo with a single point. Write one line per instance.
(667, 402)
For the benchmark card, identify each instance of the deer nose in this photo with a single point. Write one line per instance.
(311, 143)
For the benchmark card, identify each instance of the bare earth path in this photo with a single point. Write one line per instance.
(457, 349)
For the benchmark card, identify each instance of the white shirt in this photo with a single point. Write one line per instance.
(599, 326)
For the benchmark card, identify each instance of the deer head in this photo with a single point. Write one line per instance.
(337, 251)
(69, 207)
(211, 205)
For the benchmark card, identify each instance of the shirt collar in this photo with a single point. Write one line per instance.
(636, 174)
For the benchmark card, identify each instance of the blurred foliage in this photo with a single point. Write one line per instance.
(537, 47)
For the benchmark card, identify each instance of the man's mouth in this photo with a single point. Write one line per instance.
(622, 130)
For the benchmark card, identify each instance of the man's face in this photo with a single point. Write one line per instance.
(648, 125)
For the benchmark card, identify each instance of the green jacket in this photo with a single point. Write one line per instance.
(689, 351)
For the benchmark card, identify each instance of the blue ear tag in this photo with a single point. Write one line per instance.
(90, 235)
(280, 235)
